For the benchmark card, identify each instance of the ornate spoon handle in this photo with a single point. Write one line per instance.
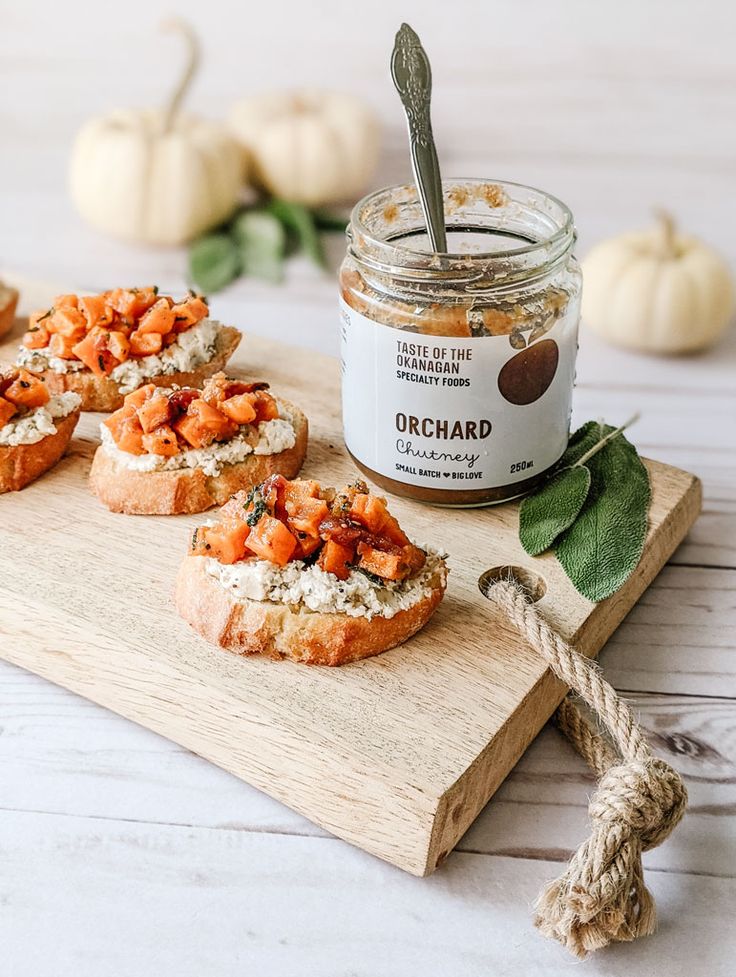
(412, 75)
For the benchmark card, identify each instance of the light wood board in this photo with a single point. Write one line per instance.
(397, 754)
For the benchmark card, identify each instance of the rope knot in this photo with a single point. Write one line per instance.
(646, 796)
(601, 897)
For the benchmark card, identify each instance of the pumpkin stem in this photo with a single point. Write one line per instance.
(667, 245)
(173, 106)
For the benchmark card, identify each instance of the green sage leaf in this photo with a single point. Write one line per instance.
(300, 222)
(262, 241)
(214, 261)
(551, 510)
(327, 219)
(604, 544)
(581, 441)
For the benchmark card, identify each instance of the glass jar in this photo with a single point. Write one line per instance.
(458, 369)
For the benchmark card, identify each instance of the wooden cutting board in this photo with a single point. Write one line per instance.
(397, 754)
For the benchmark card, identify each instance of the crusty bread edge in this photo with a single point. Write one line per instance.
(103, 394)
(21, 464)
(187, 490)
(250, 627)
(7, 312)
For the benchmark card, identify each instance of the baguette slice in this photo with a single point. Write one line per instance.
(187, 490)
(8, 304)
(251, 627)
(21, 464)
(103, 394)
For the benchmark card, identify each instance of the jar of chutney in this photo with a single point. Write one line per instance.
(458, 369)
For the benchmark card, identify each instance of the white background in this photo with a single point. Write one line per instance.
(121, 854)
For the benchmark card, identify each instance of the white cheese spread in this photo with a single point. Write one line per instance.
(316, 590)
(38, 423)
(192, 348)
(269, 438)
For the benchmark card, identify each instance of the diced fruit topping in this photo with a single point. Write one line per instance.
(37, 336)
(145, 343)
(25, 390)
(226, 541)
(239, 409)
(162, 441)
(271, 540)
(7, 410)
(94, 352)
(280, 521)
(154, 412)
(177, 420)
(159, 318)
(62, 347)
(126, 430)
(107, 329)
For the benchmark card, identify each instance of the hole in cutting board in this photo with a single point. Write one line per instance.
(534, 585)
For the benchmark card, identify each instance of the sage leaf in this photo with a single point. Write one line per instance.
(581, 441)
(300, 222)
(553, 508)
(327, 219)
(261, 239)
(214, 261)
(604, 544)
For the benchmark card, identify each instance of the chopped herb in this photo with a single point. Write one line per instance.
(155, 289)
(194, 538)
(101, 361)
(373, 577)
(46, 314)
(259, 509)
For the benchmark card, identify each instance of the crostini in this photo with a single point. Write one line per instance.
(35, 427)
(292, 570)
(174, 450)
(106, 346)
(8, 304)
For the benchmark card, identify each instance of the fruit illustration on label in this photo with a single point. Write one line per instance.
(526, 376)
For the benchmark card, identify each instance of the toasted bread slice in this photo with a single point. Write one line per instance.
(8, 304)
(187, 490)
(103, 393)
(249, 627)
(21, 464)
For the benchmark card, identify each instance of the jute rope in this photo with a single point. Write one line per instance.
(639, 799)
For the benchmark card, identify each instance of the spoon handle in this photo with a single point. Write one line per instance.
(412, 75)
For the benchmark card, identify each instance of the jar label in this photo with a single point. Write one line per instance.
(456, 413)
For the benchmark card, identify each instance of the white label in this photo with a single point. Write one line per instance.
(456, 413)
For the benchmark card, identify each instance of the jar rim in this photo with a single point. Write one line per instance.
(502, 203)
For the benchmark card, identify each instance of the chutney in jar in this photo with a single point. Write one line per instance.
(458, 369)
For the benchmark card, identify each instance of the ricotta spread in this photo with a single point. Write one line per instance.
(269, 438)
(192, 348)
(39, 423)
(312, 588)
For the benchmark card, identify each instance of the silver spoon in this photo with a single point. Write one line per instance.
(412, 75)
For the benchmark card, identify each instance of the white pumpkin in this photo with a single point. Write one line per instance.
(657, 291)
(156, 176)
(309, 147)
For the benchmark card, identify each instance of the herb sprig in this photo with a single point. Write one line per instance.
(257, 241)
(592, 511)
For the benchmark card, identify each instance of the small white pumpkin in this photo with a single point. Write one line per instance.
(657, 291)
(309, 147)
(156, 176)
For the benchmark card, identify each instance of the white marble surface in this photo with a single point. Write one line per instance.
(120, 853)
